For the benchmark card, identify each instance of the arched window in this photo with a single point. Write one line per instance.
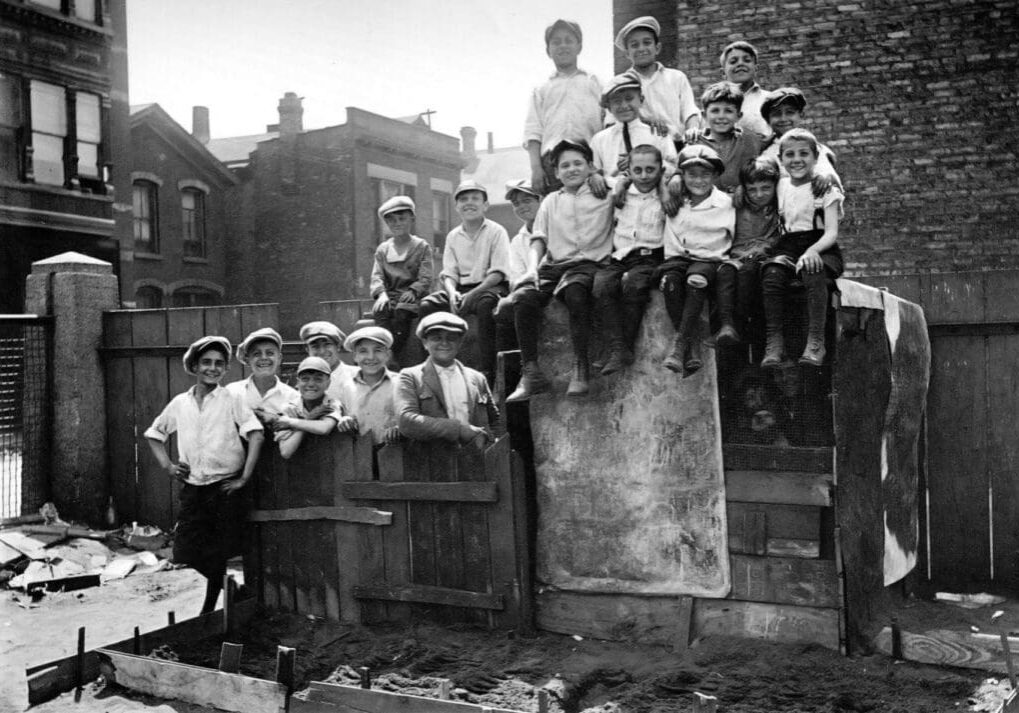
(148, 297)
(146, 216)
(194, 297)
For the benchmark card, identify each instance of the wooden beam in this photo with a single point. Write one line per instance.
(462, 492)
(339, 513)
(349, 698)
(773, 622)
(230, 657)
(784, 580)
(947, 647)
(194, 684)
(424, 594)
(748, 457)
(782, 487)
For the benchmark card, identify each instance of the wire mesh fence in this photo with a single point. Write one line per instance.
(25, 412)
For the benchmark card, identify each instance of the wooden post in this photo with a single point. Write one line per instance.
(79, 665)
(366, 677)
(704, 704)
(228, 594)
(286, 663)
(171, 618)
(685, 619)
(230, 657)
(542, 701)
(136, 644)
(445, 689)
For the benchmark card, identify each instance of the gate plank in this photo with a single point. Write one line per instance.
(1003, 455)
(395, 538)
(359, 554)
(449, 549)
(503, 558)
(473, 465)
(120, 417)
(421, 519)
(151, 393)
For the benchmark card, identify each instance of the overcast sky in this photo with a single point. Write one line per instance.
(473, 62)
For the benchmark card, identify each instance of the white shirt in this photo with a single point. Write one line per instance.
(574, 226)
(668, 98)
(640, 223)
(272, 400)
(208, 436)
(519, 250)
(608, 146)
(469, 260)
(751, 110)
(796, 204)
(567, 106)
(454, 392)
(341, 374)
(704, 231)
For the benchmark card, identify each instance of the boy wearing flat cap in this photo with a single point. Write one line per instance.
(783, 110)
(475, 263)
(211, 425)
(611, 147)
(668, 96)
(567, 106)
(402, 271)
(325, 340)
(368, 397)
(525, 201)
(441, 399)
(263, 392)
(312, 410)
(697, 240)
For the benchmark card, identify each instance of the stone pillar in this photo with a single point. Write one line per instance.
(75, 289)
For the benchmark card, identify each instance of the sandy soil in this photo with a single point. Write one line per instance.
(492, 668)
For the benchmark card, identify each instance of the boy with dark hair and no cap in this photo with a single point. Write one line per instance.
(401, 272)
(441, 399)
(723, 104)
(567, 106)
(211, 424)
(668, 96)
(475, 263)
(325, 340)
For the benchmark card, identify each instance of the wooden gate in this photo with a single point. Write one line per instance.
(416, 529)
(142, 350)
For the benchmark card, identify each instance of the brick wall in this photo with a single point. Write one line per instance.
(920, 100)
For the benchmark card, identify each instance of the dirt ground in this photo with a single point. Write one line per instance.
(491, 668)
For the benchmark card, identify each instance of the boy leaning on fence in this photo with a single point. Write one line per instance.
(213, 464)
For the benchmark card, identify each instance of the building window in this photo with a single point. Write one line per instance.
(194, 297)
(148, 297)
(440, 218)
(49, 130)
(193, 207)
(10, 127)
(384, 190)
(85, 10)
(87, 124)
(146, 216)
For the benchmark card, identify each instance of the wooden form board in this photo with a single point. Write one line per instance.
(328, 697)
(949, 647)
(192, 684)
(631, 497)
(142, 352)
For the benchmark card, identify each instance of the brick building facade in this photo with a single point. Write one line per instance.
(179, 212)
(920, 100)
(63, 136)
(304, 220)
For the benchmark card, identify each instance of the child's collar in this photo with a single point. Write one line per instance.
(654, 69)
(567, 74)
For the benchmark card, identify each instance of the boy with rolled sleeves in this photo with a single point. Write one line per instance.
(570, 243)
(368, 397)
(441, 399)
(525, 201)
(312, 410)
(263, 392)
(610, 147)
(739, 66)
(668, 96)
(402, 271)
(475, 263)
(622, 289)
(722, 104)
(567, 106)
(325, 340)
(697, 240)
(213, 464)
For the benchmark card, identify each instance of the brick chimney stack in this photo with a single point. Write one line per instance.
(468, 152)
(291, 115)
(200, 123)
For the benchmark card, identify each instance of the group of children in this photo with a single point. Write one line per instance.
(731, 202)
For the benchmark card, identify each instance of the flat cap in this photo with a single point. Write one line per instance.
(397, 203)
(469, 184)
(195, 351)
(568, 25)
(441, 320)
(626, 80)
(523, 185)
(265, 334)
(645, 22)
(578, 145)
(782, 95)
(700, 155)
(380, 335)
(314, 364)
(322, 329)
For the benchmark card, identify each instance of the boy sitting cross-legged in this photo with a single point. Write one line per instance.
(312, 410)
(722, 103)
(623, 287)
(570, 243)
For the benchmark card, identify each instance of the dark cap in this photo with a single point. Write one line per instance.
(568, 25)
(781, 95)
(579, 145)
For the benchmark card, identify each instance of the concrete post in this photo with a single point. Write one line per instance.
(75, 289)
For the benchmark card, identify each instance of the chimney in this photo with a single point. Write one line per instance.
(491, 143)
(291, 113)
(200, 123)
(468, 153)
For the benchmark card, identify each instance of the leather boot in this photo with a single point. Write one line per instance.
(618, 358)
(633, 314)
(532, 381)
(578, 382)
(693, 362)
(817, 315)
(674, 362)
(774, 318)
(689, 328)
(727, 336)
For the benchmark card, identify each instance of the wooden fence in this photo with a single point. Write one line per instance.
(416, 529)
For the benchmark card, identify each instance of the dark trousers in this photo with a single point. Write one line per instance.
(398, 322)
(528, 309)
(679, 293)
(622, 290)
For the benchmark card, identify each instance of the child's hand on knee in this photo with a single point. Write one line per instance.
(810, 262)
